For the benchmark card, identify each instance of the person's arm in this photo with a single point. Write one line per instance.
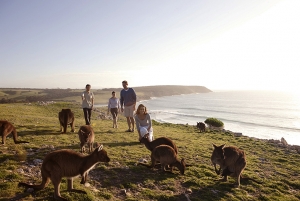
(93, 100)
(121, 101)
(82, 96)
(108, 106)
(134, 98)
(150, 122)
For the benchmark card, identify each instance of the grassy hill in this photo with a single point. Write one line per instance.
(278, 168)
(101, 95)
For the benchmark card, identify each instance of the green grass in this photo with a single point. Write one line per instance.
(277, 168)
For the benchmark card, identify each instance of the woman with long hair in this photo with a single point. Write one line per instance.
(143, 122)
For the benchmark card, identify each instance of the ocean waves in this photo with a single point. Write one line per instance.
(261, 115)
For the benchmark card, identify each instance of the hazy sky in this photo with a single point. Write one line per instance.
(219, 44)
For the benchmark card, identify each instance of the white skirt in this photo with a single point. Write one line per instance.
(144, 130)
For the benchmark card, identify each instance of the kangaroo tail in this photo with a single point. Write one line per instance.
(65, 122)
(44, 183)
(15, 137)
(19, 142)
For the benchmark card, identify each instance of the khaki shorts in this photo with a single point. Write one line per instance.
(128, 111)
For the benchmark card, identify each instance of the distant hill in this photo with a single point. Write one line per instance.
(13, 95)
(146, 92)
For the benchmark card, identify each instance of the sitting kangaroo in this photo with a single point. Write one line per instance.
(7, 128)
(86, 135)
(67, 163)
(166, 155)
(159, 141)
(231, 159)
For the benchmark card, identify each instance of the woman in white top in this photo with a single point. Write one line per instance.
(114, 107)
(143, 122)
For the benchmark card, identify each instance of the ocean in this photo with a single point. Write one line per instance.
(260, 114)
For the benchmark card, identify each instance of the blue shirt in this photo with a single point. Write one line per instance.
(127, 97)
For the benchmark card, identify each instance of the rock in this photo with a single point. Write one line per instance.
(142, 160)
(284, 142)
(237, 134)
(87, 184)
(51, 146)
(37, 161)
(29, 190)
(188, 190)
(20, 170)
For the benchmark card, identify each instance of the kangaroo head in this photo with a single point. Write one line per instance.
(218, 153)
(182, 162)
(85, 135)
(102, 154)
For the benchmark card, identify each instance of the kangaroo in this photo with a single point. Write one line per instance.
(159, 141)
(66, 117)
(67, 163)
(231, 159)
(86, 135)
(201, 126)
(7, 128)
(166, 155)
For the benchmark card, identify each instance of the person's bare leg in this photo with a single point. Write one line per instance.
(132, 122)
(128, 122)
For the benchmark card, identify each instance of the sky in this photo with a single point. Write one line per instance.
(222, 45)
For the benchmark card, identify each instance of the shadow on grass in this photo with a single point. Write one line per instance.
(121, 144)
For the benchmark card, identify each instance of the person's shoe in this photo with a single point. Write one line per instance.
(132, 130)
(129, 130)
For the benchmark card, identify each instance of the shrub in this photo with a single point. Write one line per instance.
(214, 122)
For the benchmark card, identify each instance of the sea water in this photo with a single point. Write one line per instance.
(260, 114)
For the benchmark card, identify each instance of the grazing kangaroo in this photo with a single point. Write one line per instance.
(67, 163)
(231, 159)
(66, 117)
(159, 141)
(166, 155)
(201, 126)
(7, 128)
(86, 135)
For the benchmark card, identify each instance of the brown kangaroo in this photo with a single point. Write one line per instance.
(7, 128)
(66, 117)
(67, 163)
(86, 135)
(159, 141)
(166, 155)
(231, 159)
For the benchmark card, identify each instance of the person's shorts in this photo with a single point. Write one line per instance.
(114, 112)
(129, 111)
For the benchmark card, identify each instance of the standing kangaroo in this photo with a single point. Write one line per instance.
(67, 163)
(66, 117)
(7, 128)
(231, 159)
(86, 135)
(159, 141)
(166, 156)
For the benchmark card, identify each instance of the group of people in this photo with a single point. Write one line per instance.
(139, 118)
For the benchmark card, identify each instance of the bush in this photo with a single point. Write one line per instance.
(214, 122)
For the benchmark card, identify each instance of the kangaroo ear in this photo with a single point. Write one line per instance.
(100, 147)
(215, 146)
(222, 146)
